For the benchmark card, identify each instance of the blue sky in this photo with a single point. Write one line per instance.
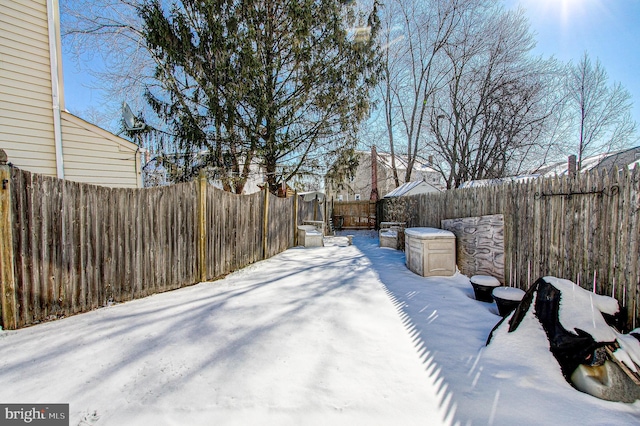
(607, 29)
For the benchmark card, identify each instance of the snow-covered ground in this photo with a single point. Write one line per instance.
(330, 335)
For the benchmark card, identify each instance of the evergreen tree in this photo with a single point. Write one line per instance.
(282, 84)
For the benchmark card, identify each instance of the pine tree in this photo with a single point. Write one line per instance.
(284, 84)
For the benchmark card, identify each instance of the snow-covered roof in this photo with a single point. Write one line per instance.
(497, 181)
(562, 167)
(625, 158)
(402, 189)
(410, 188)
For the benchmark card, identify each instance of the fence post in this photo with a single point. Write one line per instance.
(315, 208)
(265, 221)
(7, 278)
(295, 218)
(202, 225)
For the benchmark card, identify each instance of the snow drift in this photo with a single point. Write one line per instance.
(592, 354)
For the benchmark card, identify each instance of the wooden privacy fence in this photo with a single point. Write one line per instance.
(585, 229)
(69, 247)
(312, 210)
(353, 214)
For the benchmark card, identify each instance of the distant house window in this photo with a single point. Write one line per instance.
(357, 197)
(339, 197)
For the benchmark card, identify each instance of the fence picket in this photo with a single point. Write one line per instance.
(77, 247)
(593, 231)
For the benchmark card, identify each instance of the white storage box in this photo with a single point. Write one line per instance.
(309, 236)
(389, 238)
(401, 225)
(392, 235)
(430, 252)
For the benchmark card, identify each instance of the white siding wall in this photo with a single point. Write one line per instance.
(90, 154)
(95, 156)
(26, 117)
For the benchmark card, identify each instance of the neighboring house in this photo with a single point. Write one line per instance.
(421, 170)
(36, 132)
(497, 181)
(625, 159)
(412, 188)
(155, 172)
(359, 188)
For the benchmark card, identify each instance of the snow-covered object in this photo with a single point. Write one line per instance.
(630, 345)
(309, 236)
(389, 238)
(581, 309)
(430, 233)
(430, 251)
(623, 356)
(485, 280)
(389, 233)
(599, 381)
(579, 336)
(508, 293)
(507, 299)
(483, 286)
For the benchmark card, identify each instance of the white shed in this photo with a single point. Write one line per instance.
(412, 188)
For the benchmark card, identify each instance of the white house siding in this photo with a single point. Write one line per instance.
(360, 185)
(26, 116)
(93, 155)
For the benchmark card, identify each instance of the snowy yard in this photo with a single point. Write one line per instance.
(330, 335)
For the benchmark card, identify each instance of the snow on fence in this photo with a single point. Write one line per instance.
(75, 247)
(586, 229)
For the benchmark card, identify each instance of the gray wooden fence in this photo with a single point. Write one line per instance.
(585, 229)
(69, 247)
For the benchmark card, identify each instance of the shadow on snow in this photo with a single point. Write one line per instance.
(448, 328)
